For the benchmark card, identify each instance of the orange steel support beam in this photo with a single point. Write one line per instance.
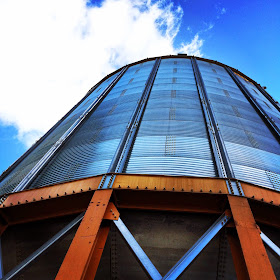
(97, 252)
(255, 256)
(171, 183)
(237, 256)
(78, 257)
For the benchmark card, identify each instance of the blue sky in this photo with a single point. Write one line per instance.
(52, 52)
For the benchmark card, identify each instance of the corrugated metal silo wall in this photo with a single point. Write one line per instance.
(172, 138)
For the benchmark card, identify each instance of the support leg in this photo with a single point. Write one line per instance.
(97, 252)
(77, 259)
(255, 256)
(237, 256)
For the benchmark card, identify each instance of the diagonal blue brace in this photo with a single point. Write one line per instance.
(273, 247)
(148, 266)
(197, 248)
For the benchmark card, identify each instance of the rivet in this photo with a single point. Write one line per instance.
(18, 202)
(201, 190)
(111, 210)
(11, 204)
(253, 196)
(155, 188)
(89, 189)
(65, 193)
(220, 191)
(173, 189)
(271, 202)
(81, 190)
(49, 196)
(57, 194)
(146, 188)
(182, 189)
(42, 197)
(261, 199)
(119, 186)
(137, 187)
(26, 201)
(128, 187)
(191, 190)
(164, 188)
(73, 192)
(210, 191)
(4, 205)
(34, 199)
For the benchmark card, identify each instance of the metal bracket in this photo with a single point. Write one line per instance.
(234, 187)
(107, 181)
(197, 248)
(148, 266)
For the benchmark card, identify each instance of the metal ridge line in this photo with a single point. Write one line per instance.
(273, 127)
(50, 153)
(121, 155)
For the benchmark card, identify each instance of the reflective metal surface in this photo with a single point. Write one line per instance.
(172, 135)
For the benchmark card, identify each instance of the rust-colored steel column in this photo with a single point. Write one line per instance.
(254, 253)
(77, 259)
(97, 252)
(237, 256)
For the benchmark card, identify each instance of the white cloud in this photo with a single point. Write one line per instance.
(52, 52)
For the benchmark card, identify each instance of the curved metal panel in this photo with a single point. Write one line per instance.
(172, 137)
(252, 148)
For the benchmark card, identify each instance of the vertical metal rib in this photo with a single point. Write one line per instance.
(50, 153)
(121, 156)
(222, 161)
(270, 123)
(219, 151)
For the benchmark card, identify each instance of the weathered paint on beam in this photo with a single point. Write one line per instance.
(255, 256)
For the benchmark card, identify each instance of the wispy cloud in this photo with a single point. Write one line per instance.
(52, 52)
(220, 11)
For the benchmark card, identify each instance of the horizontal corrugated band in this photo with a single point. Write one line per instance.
(178, 146)
(252, 157)
(252, 175)
(171, 166)
(244, 137)
(172, 127)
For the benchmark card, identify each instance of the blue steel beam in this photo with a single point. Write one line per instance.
(273, 247)
(148, 266)
(18, 269)
(197, 248)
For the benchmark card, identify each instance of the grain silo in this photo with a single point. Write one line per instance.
(168, 168)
